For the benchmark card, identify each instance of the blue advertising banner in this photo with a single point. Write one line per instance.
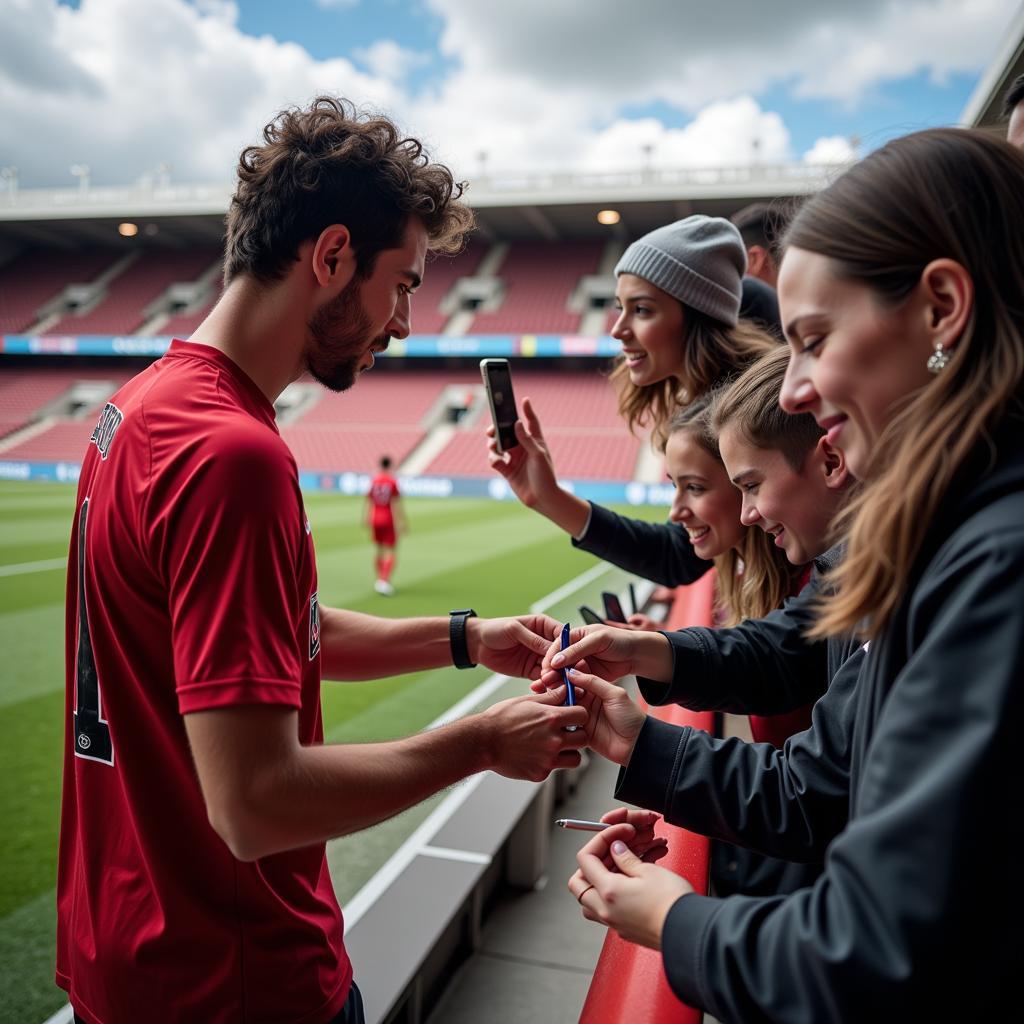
(423, 346)
(605, 492)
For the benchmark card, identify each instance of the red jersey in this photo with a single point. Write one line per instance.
(382, 493)
(191, 585)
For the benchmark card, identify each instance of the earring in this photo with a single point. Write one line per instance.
(938, 360)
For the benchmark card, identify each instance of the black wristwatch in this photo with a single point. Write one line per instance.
(457, 637)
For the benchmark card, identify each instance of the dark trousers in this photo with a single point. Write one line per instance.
(350, 1013)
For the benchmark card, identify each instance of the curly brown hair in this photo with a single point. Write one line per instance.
(333, 164)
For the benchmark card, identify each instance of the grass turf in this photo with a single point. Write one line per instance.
(499, 558)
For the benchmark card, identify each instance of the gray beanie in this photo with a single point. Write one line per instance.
(699, 261)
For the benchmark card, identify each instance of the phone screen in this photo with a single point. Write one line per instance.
(612, 607)
(590, 616)
(497, 378)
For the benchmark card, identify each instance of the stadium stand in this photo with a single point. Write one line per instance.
(539, 279)
(39, 275)
(385, 398)
(352, 447)
(581, 455)
(181, 325)
(122, 310)
(24, 392)
(62, 441)
(442, 273)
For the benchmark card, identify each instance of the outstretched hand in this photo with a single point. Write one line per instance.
(617, 888)
(610, 652)
(528, 467)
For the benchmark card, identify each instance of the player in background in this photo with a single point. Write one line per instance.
(385, 515)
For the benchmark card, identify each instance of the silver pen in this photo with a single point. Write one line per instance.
(585, 826)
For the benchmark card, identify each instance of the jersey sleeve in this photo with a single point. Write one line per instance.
(229, 535)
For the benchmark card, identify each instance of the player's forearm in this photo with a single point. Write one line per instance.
(326, 791)
(356, 646)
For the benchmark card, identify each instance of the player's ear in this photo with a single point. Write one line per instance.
(333, 258)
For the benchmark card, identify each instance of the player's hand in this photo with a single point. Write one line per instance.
(528, 468)
(613, 720)
(527, 737)
(611, 652)
(511, 646)
(631, 895)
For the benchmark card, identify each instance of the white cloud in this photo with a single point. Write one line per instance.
(688, 53)
(723, 134)
(134, 85)
(831, 149)
(389, 60)
(124, 86)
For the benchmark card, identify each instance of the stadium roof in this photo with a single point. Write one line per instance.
(529, 206)
(984, 106)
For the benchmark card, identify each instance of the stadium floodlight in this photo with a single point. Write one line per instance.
(608, 217)
(127, 229)
(9, 176)
(81, 172)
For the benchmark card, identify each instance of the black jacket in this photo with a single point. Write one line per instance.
(661, 552)
(759, 667)
(917, 915)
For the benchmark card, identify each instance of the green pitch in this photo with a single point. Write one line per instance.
(497, 557)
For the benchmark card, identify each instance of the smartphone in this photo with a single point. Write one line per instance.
(590, 617)
(497, 378)
(632, 598)
(612, 607)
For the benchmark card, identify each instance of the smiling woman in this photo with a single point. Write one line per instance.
(678, 294)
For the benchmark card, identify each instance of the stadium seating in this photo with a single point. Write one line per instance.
(181, 325)
(539, 278)
(62, 441)
(39, 275)
(441, 274)
(23, 393)
(121, 311)
(580, 455)
(351, 447)
(386, 398)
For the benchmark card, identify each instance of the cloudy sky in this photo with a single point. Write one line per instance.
(126, 85)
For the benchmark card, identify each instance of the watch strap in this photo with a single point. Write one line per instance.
(457, 637)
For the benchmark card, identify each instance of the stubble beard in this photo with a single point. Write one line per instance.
(339, 335)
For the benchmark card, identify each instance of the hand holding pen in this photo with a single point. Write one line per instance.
(570, 696)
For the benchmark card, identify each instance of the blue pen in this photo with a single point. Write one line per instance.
(570, 697)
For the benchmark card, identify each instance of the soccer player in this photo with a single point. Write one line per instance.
(385, 515)
(198, 792)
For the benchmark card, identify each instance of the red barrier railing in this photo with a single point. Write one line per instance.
(629, 983)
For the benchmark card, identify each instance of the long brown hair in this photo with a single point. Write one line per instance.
(943, 193)
(757, 578)
(710, 352)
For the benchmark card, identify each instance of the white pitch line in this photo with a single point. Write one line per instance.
(447, 853)
(409, 850)
(571, 587)
(418, 843)
(22, 568)
(420, 839)
(63, 1016)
